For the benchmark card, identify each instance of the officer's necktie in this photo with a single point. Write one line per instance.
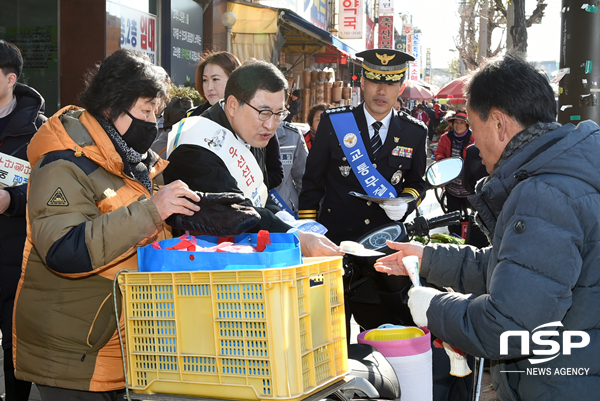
(376, 143)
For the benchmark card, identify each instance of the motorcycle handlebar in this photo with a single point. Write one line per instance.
(421, 226)
(444, 220)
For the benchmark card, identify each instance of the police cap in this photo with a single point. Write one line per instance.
(385, 65)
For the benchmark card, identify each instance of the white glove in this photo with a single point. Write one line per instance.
(394, 212)
(419, 299)
(458, 361)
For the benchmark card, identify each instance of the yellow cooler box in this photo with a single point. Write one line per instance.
(277, 333)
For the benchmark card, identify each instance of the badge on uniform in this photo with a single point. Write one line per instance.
(350, 140)
(396, 139)
(345, 170)
(396, 177)
(402, 152)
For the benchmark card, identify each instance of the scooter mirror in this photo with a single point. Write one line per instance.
(443, 171)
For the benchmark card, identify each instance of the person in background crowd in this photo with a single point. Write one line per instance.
(473, 170)
(421, 115)
(433, 121)
(21, 115)
(294, 106)
(293, 155)
(454, 143)
(439, 112)
(540, 207)
(211, 77)
(247, 118)
(90, 205)
(313, 119)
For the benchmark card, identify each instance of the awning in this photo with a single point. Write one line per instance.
(303, 37)
(297, 35)
(252, 19)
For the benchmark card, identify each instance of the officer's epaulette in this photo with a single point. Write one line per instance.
(342, 109)
(411, 119)
(290, 126)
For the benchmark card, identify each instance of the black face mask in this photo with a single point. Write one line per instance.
(140, 135)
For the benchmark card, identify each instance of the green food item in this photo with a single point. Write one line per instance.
(421, 240)
(447, 239)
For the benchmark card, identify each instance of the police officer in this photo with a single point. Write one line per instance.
(370, 149)
(293, 156)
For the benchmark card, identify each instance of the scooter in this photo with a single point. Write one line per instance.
(374, 298)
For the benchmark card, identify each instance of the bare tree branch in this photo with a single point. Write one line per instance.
(537, 14)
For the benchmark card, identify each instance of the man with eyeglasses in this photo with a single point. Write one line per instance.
(223, 150)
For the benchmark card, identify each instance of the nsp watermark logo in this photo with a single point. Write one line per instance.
(537, 337)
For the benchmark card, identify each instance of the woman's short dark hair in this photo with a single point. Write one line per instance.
(313, 111)
(116, 84)
(227, 61)
(511, 84)
(252, 76)
(11, 60)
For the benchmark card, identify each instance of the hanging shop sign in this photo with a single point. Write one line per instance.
(351, 19)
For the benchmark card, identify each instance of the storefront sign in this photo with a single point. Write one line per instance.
(386, 7)
(351, 19)
(409, 45)
(428, 66)
(186, 40)
(318, 13)
(138, 31)
(38, 45)
(401, 43)
(386, 31)
(415, 66)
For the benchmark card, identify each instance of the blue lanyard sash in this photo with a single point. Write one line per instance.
(352, 144)
(281, 203)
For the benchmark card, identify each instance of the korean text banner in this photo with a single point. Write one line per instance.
(138, 29)
(351, 19)
(386, 29)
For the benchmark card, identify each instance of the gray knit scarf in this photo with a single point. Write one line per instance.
(523, 138)
(135, 164)
(517, 142)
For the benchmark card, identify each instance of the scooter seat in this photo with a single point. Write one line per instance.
(366, 362)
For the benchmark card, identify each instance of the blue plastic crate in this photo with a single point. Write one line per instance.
(284, 251)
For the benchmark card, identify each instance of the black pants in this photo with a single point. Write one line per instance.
(16, 390)
(63, 394)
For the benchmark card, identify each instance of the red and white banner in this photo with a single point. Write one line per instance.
(350, 19)
(370, 42)
(386, 32)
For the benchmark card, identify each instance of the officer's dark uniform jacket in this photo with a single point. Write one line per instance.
(202, 170)
(293, 155)
(328, 175)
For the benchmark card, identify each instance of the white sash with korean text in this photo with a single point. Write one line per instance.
(240, 162)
